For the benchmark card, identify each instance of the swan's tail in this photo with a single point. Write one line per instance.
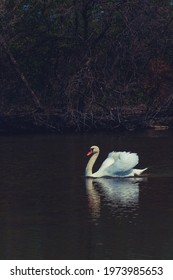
(138, 172)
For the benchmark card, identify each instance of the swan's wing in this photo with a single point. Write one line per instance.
(104, 167)
(116, 163)
(111, 159)
(106, 164)
(123, 161)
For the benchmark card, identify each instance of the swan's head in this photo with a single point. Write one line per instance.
(93, 150)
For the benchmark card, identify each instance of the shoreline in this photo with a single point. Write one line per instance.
(82, 123)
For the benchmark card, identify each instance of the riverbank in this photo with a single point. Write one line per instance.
(61, 122)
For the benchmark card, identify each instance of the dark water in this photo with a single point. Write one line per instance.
(49, 211)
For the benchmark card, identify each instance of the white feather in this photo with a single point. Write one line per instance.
(124, 161)
(117, 164)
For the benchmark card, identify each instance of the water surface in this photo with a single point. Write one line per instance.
(48, 210)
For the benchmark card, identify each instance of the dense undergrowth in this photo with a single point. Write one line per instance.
(85, 65)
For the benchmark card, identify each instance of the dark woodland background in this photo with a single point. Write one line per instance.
(85, 64)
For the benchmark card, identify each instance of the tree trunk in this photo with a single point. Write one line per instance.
(18, 70)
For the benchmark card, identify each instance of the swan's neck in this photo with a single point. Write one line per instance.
(89, 167)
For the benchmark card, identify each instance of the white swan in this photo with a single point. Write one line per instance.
(117, 164)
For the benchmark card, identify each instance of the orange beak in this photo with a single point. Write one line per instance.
(89, 153)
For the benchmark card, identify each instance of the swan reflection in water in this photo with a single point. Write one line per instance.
(121, 194)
